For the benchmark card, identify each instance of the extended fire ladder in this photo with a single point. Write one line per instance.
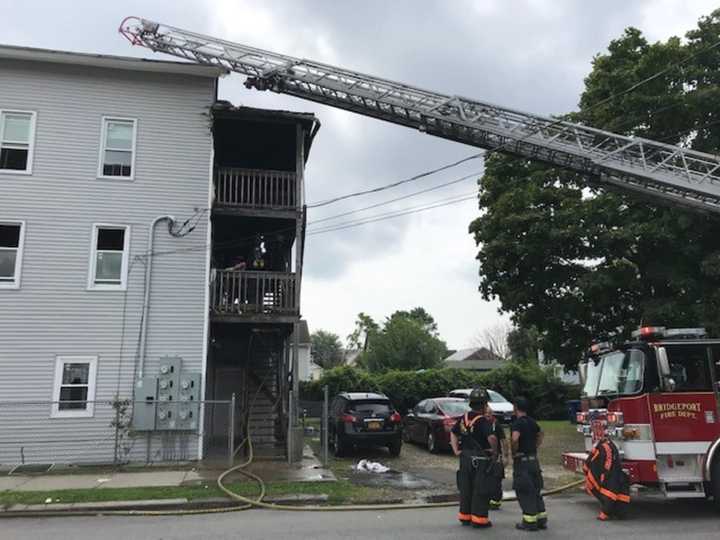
(676, 174)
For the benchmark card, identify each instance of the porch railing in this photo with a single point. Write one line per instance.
(234, 292)
(255, 188)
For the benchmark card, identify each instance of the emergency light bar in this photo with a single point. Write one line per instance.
(654, 332)
(599, 348)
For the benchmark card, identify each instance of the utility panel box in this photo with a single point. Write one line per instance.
(170, 401)
(145, 404)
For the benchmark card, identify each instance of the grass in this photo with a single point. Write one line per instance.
(560, 436)
(341, 492)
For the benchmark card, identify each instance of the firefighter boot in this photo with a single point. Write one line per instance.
(528, 523)
(542, 520)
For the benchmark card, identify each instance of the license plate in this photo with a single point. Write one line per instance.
(373, 426)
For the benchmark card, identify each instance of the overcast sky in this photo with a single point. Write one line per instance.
(530, 55)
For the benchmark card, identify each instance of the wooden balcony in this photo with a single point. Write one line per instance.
(255, 190)
(253, 296)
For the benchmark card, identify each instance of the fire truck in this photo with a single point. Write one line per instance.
(657, 397)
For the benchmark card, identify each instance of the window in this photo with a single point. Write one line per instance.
(17, 132)
(74, 388)
(117, 148)
(108, 260)
(11, 248)
(690, 368)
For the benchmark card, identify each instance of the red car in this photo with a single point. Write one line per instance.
(430, 422)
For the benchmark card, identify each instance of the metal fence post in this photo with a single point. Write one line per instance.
(325, 434)
(291, 413)
(116, 404)
(231, 433)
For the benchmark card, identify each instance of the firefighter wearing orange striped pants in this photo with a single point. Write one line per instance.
(605, 479)
(527, 476)
(472, 439)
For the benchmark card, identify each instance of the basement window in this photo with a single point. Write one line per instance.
(117, 148)
(17, 132)
(74, 388)
(109, 257)
(11, 253)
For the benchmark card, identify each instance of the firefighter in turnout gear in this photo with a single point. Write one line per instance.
(473, 440)
(605, 479)
(502, 458)
(527, 476)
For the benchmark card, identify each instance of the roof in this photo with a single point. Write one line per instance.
(474, 353)
(304, 331)
(363, 395)
(30, 54)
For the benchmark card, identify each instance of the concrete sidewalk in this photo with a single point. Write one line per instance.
(51, 482)
(308, 470)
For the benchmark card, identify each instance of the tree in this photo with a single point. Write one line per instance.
(327, 351)
(495, 339)
(365, 328)
(408, 340)
(579, 263)
(522, 344)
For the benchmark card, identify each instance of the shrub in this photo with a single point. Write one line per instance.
(546, 393)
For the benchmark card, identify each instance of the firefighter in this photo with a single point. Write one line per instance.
(605, 479)
(527, 476)
(502, 458)
(472, 439)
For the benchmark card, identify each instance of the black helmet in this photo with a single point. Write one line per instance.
(478, 398)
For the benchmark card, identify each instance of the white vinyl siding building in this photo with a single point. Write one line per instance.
(92, 150)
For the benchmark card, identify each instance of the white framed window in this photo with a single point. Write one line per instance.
(117, 148)
(74, 386)
(109, 257)
(17, 139)
(12, 240)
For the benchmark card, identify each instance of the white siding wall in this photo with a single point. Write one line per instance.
(53, 313)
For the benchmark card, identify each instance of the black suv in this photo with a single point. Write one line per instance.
(363, 419)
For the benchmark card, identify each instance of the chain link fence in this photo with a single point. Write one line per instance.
(45, 434)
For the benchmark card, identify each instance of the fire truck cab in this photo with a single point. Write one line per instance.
(658, 398)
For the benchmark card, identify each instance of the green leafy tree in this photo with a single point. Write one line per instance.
(523, 344)
(407, 341)
(327, 351)
(578, 262)
(365, 328)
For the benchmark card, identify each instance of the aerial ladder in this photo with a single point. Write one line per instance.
(663, 172)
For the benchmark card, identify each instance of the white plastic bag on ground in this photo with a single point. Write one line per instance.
(371, 466)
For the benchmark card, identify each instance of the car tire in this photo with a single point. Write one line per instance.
(338, 446)
(431, 442)
(715, 482)
(395, 447)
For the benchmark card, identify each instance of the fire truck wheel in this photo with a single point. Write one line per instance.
(715, 482)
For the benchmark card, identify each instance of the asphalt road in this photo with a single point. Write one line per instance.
(571, 517)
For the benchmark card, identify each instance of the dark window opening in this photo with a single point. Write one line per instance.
(14, 159)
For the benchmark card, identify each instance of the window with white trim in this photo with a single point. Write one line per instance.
(74, 387)
(11, 252)
(17, 132)
(109, 257)
(117, 148)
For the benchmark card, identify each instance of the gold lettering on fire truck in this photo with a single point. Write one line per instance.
(666, 411)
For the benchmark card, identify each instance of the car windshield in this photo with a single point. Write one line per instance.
(616, 373)
(495, 397)
(454, 408)
(370, 407)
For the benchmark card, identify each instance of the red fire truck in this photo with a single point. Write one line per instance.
(658, 398)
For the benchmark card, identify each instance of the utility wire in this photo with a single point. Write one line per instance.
(398, 183)
(341, 227)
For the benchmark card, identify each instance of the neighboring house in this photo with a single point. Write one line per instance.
(308, 370)
(474, 359)
(96, 153)
(568, 377)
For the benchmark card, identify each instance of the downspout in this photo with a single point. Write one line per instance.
(146, 299)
